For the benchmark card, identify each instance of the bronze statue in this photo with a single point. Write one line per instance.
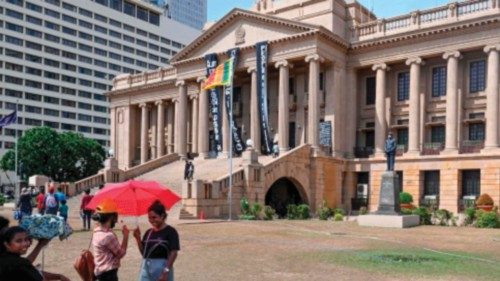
(390, 151)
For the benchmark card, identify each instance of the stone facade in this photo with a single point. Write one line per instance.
(430, 77)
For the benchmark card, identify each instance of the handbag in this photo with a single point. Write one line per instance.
(84, 264)
(17, 215)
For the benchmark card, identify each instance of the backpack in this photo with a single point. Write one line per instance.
(50, 201)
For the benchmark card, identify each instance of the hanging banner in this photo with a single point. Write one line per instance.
(213, 94)
(228, 92)
(262, 96)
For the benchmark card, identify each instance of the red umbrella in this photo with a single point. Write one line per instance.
(133, 198)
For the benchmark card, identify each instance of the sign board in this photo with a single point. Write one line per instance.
(325, 133)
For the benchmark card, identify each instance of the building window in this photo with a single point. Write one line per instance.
(34, 7)
(129, 8)
(154, 18)
(52, 13)
(370, 90)
(53, 125)
(34, 20)
(68, 127)
(84, 117)
(69, 19)
(68, 115)
(438, 134)
(33, 58)
(431, 183)
(69, 7)
(439, 81)
(51, 112)
(33, 71)
(84, 129)
(99, 108)
(476, 131)
(370, 139)
(53, 26)
(471, 182)
(142, 14)
(35, 97)
(477, 73)
(86, 13)
(15, 41)
(116, 4)
(100, 120)
(403, 86)
(402, 137)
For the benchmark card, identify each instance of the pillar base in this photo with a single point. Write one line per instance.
(449, 151)
(282, 149)
(490, 149)
(379, 154)
(223, 155)
(204, 155)
(412, 153)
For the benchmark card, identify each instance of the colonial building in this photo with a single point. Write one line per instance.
(338, 80)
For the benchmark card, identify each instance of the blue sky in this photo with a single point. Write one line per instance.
(381, 8)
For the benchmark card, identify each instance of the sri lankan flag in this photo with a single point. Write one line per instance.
(221, 76)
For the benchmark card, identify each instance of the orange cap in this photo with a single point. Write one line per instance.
(107, 206)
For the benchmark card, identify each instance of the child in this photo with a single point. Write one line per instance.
(63, 210)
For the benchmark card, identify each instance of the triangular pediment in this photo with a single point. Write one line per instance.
(241, 28)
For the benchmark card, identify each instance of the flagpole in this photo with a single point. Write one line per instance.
(231, 147)
(16, 183)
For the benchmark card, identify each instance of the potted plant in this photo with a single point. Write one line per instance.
(405, 200)
(485, 202)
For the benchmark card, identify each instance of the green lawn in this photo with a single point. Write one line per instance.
(415, 262)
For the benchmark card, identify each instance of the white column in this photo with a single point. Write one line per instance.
(112, 133)
(313, 102)
(351, 110)
(203, 121)
(194, 123)
(414, 118)
(254, 111)
(144, 132)
(380, 122)
(451, 101)
(492, 102)
(171, 126)
(160, 127)
(181, 120)
(283, 110)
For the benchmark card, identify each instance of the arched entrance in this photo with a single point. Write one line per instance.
(282, 193)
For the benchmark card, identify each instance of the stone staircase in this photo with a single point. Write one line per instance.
(172, 176)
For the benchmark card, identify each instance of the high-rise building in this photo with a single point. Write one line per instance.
(57, 58)
(190, 12)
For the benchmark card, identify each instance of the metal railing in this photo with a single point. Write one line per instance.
(362, 152)
(471, 146)
(432, 148)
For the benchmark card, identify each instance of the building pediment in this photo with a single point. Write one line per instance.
(240, 28)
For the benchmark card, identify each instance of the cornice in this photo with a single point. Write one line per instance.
(138, 88)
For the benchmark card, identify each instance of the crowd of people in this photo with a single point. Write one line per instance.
(158, 245)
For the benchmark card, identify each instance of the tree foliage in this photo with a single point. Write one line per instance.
(61, 156)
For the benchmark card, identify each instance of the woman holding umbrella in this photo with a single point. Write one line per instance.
(158, 246)
(107, 250)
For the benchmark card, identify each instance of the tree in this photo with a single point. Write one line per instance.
(60, 156)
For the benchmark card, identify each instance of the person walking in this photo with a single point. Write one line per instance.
(63, 210)
(51, 206)
(24, 203)
(14, 242)
(60, 196)
(87, 213)
(159, 246)
(107, 250)
(190, 171)
(40, 201)
(186, 170)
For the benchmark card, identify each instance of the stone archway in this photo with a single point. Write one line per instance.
(283, 192)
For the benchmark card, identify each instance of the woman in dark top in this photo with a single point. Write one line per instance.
(159, 246)
(24, 203)
(14, 242)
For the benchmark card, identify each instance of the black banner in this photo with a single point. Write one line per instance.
(262, 96)
(213, 94)
(228, 92)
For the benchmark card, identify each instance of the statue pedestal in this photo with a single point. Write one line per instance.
(388, 214)
(388, 202)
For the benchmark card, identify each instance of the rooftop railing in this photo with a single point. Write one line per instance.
(422, 19)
